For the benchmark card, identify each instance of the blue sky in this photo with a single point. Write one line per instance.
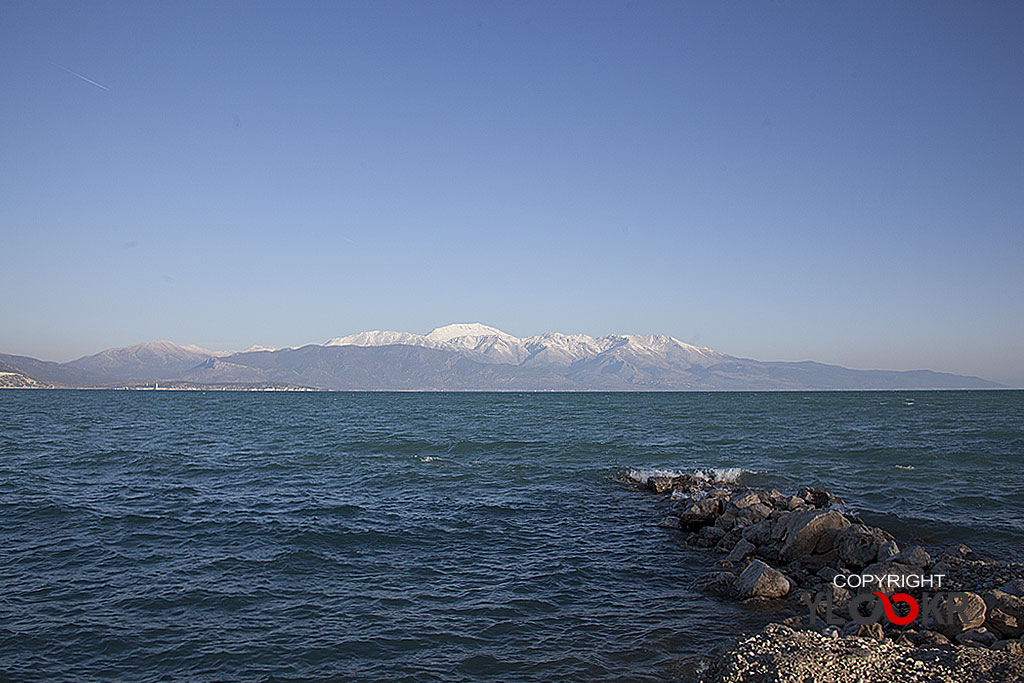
(835, 181)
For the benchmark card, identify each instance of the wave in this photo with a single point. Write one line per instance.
(729, 475)
(642, 476)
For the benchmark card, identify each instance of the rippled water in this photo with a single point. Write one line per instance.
(237, 536)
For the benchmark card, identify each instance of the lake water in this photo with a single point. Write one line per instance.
(448, 537)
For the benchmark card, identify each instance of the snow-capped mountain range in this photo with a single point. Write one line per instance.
(491, 345)
(469, 357)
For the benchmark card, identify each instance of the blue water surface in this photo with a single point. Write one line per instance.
(436, 537)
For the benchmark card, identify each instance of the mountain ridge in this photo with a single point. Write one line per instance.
(472, 357)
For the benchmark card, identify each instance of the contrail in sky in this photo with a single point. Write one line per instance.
(75, 73)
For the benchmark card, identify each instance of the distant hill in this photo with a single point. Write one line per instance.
(48, 372)
(147, 362)
(474, 357)
(12, 378)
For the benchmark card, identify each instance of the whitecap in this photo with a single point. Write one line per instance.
(728, 475)
(641, 476)
(905, 467)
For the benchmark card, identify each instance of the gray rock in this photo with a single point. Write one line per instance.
(712, 534)
(719, 583)
(759, 533)
(759, 511)
(1004, 613)
(971, 616)
(816, 561)
(779, 526)
(812, 531)
(748, 516)
(739, 551)
(826, 574)
(1015, 587)
(760, 580)
(840, 598)
(977, 637)
(687, 484)
(915, 556)
(777, 500)
(768, 553)
(816, 497)
(671, 522)
(959, 552)
(859, 545)
(745, 499)
(729, 541)
(888, 551)
(700, 513)
(932, 638)
(682, 501)
(727, 516)
(660, 484)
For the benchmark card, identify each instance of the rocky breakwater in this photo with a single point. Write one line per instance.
(831, 577)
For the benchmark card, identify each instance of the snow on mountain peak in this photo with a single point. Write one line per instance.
(455, 330)
(381, 338)
(661, 343)
(256, 348)
(491, 345)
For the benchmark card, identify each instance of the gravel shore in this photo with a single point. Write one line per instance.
(780, 654)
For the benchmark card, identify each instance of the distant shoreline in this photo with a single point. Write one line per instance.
(256, 389)
(470, 357)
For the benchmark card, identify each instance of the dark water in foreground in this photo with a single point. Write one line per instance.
(228, 536)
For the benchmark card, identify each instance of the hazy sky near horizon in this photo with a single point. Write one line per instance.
(834, 181)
